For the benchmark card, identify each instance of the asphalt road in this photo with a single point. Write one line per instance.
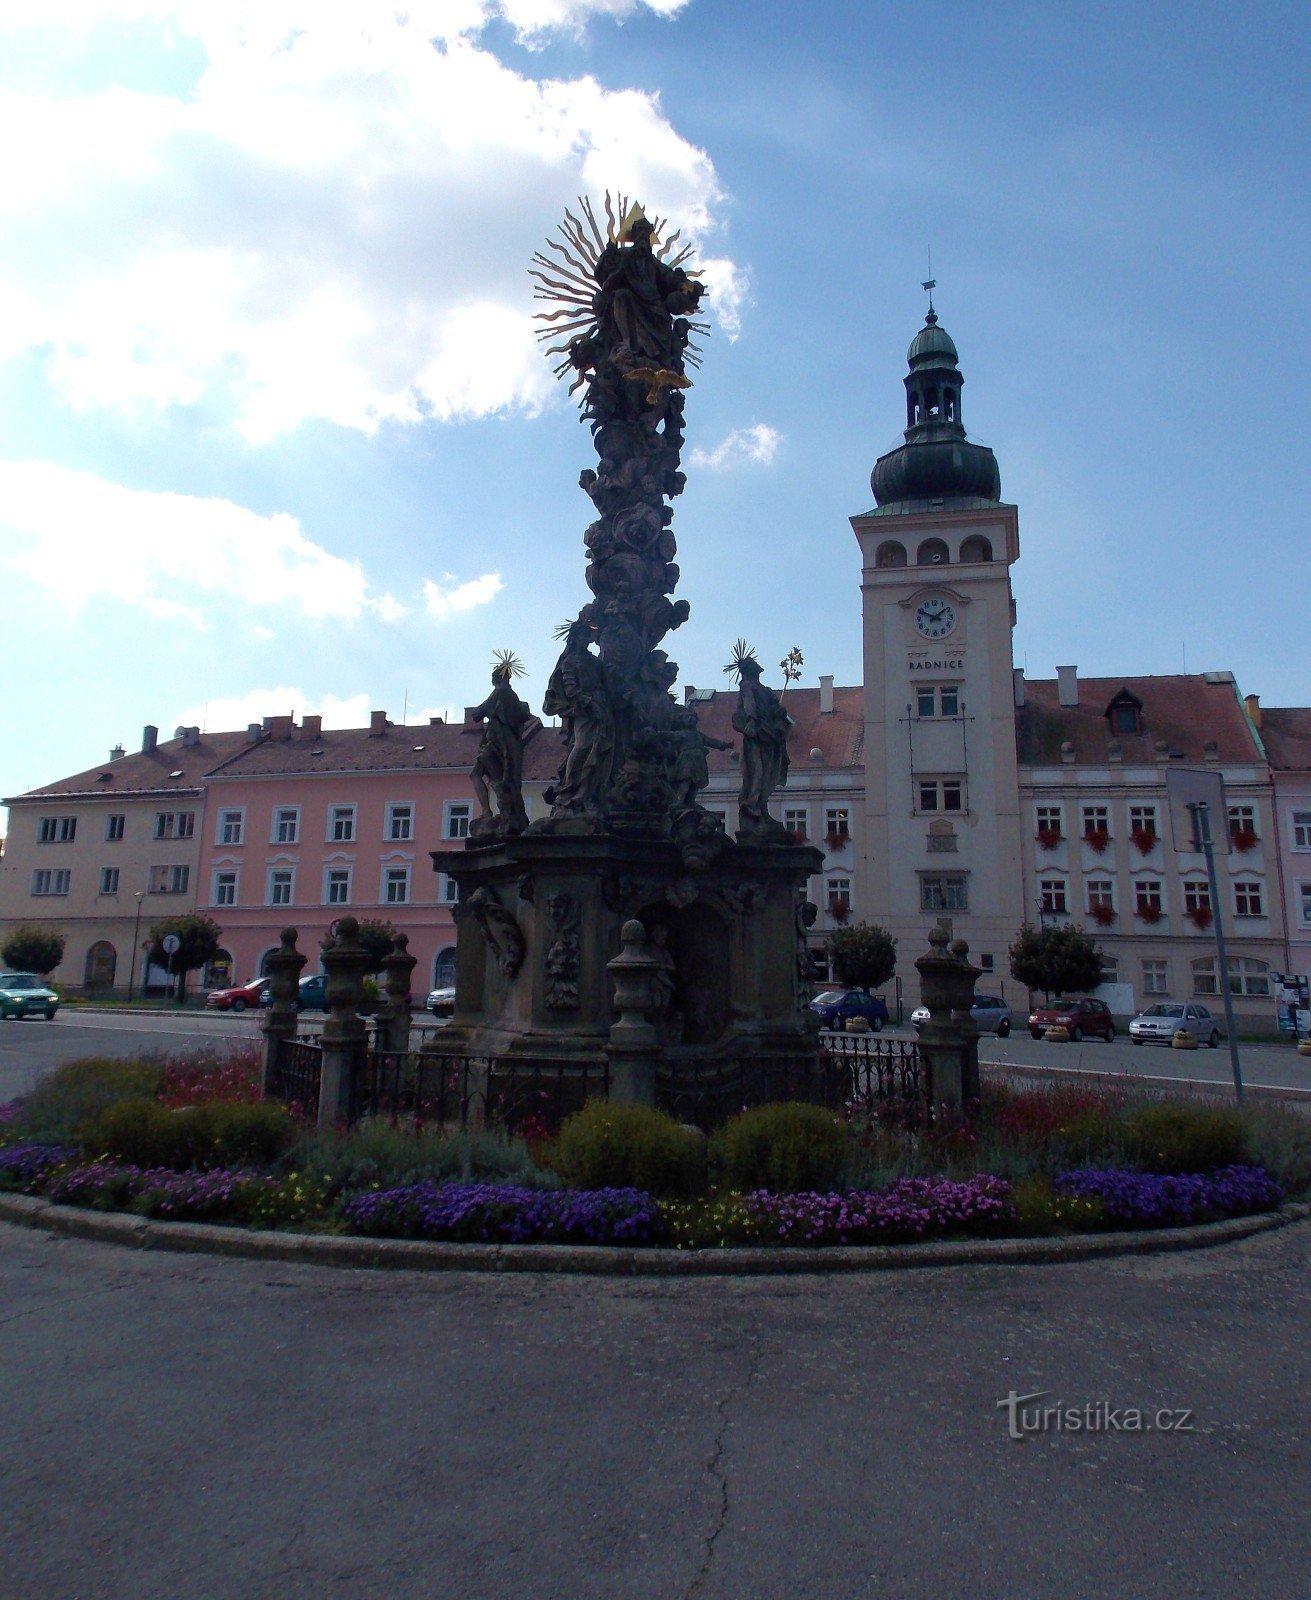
(199, 1428)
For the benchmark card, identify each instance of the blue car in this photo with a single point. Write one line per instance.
(835, 1007)
(313, 994)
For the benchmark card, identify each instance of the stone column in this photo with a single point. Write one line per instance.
(949, 1040)
(634, 1041)
(394, 1013)
(280, 1021)
(345, 1036)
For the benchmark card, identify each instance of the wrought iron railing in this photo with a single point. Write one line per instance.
(708, 1092)
(874, 1076)
(457, 1090)
(297, 1075)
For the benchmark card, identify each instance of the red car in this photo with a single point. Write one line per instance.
(1080, 1017)
(238, 997)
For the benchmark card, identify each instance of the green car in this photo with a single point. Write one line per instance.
(23, 994)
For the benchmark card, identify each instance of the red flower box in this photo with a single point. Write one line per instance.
(1148, 913)
(1243, 838)
(839, 910)
(1049, 838)
(1097, 839)
(1144, 838)
(1103, 916)
(1200, 916)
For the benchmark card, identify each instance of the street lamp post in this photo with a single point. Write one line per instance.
(136, 934)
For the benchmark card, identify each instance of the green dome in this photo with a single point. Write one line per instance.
(931, 342)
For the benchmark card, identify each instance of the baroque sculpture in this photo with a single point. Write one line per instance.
(764, 726)
(498, 766)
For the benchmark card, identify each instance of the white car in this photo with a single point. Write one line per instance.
(1159, 1024)
(991, 1015)
(441, 1002)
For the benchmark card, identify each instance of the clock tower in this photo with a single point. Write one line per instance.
(942, 827)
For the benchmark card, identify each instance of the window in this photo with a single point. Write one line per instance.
(839, 896)
(175, 824)
(51, 880)
(225, 889)
(1052, 896)
(1247, 976)
(1247, 898)
(1147, 902)
(281, 884)
(1097, 821)
(114, 826)
(341, 824)
(937, 700)
(1101, 895)
(109, 880)
(1051, 819)
(796, 821)
(1197, 895)
(941, 794)
(837, 823)
(1156, 977)
(231, 825)
(986, 962)
(943, 892)
(56, 830)
(458, 819)
(1302, 830)
(1142, 821)
(169, 880)
(337, 886)
(450, 893)
(1304, 900)
(395, 885)
(1242, 825)
(286, 830)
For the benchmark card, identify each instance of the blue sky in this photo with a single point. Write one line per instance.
(276, 436)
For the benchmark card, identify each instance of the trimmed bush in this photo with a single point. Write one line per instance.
(610, 1145)
(1185, 1138)
(79, 1091)
(142, 1133)
(1040, 1210)
(787, 1148)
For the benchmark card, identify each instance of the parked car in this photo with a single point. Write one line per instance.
(835, 1007)
(1159, 1024)
(24, 994)
(441, 1002)
(313, 993)
(991, 1015)
(1079, 1017)
(238, 996)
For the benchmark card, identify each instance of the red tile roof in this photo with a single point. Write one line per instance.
(1286, 735)
(147, 771)
(838, 734)
(1182, 712)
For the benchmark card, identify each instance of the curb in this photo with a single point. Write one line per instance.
(421, 1255)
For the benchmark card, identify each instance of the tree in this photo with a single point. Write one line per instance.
(33, 949)
(199, 940)
(864, 957)
(377, 938)
(1056, 960)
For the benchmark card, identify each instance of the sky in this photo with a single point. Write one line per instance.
(277, 435)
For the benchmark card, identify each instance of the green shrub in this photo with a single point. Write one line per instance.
(143, 1133)
(79, 1091)
(786, 1148)
(381, 1154)
(1184, 1138)
(1039, 1210)
(610, 1145)
(1279, 1139)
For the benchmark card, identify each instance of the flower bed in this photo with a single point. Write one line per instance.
(492, 1213)
(1149, 1200)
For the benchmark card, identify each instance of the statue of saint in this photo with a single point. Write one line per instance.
(691, 772)
(498, 766)
(577, 693)
(764, 726)
(637, 304)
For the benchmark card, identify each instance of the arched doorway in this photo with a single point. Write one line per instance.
(101, 965)
(443, 969)
(218, 970)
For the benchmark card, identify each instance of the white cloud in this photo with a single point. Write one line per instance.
(80, 536)
(334, 221)
(444, 601)
(234, 712)
(755, 446)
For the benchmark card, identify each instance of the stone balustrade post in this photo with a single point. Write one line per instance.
(949, 1040)
(394, 1013)
(281, 1019)
(345, 1035)
(634, 1041)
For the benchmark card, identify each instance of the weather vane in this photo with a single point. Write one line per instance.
(930, 283)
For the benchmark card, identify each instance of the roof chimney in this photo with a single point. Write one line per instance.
(117, 753)
(1017, 675)
(436, 722)
(311, 727)
(1253, 704)
(149, 737)
(377, 724)
(826, 694)
(190, 738)
(253, 731)
(689, 693)
(1067, 686)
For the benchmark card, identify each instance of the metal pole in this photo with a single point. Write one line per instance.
(136, 934)
(1200, 813)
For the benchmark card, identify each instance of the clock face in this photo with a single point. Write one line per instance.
(935, 618)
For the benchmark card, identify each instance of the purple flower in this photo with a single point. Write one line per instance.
(1146, 1199)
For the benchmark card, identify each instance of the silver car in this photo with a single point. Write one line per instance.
(1159, 1024)
(991, 1015)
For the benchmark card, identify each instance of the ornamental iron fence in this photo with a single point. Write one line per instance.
(297, 1075)
(454, 1090)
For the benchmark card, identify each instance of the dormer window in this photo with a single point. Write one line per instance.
(1124, 715)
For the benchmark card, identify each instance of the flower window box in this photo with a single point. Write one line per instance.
(1243, 839)
(1097, 839)
(1148, 913)
(1049, 838)
(835, 839)
(1144, 839)
(1103, 916)
(1200, 916)
(839, 910)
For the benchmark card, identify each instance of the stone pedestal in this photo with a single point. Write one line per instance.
(393, 1018)
(949, 1040)
(345, 1036)
(282, 1017)
(539, 924)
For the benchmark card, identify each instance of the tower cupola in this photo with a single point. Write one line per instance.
(937, 461)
